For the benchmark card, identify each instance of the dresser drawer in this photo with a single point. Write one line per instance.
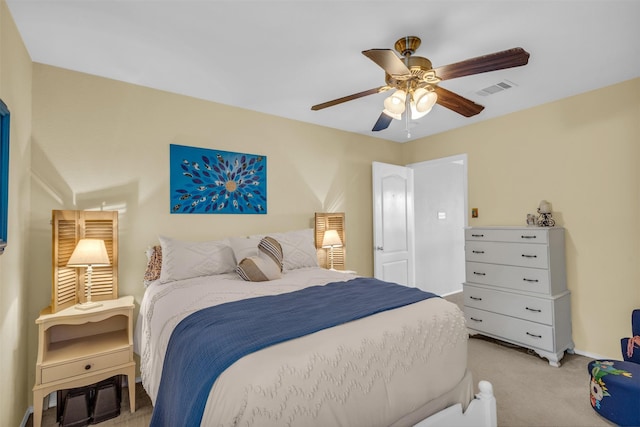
(509, 277)
(528, 334)
(518, 254)
(520, 235)
(79, 367)
(524, 307)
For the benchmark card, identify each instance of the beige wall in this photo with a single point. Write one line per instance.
(15, 91)
(581, 154)
(98, 142)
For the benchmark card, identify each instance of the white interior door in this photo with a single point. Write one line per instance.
(440, 206)
(393, 223)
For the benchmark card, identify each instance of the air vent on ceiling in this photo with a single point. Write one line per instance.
(498, 87)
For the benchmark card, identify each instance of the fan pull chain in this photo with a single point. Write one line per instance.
(407, 125)
(407, 110)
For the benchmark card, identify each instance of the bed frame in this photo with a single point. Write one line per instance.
(480, 413)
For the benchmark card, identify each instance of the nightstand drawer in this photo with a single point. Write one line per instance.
(79, 367)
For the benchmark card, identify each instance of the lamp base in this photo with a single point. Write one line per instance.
(88, 305)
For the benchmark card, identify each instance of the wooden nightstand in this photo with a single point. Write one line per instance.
(78, 348)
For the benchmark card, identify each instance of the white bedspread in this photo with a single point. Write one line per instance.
(369, 372)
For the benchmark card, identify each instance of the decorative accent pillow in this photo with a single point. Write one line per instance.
(298, 248)
(154, 264)
(267, 265)
(270, 248)
(184, 260)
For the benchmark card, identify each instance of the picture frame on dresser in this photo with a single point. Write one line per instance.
(516, 288)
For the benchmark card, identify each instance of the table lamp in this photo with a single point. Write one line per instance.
(89, 253)
(331, 240)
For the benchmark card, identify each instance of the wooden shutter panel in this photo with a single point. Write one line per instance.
(331, 221)
(68, 283)
(64, 281)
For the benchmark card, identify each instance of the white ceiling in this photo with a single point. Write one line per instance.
(282, 57)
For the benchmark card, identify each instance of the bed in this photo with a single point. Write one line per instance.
(399, 366)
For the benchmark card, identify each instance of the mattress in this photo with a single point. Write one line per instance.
(386, 369)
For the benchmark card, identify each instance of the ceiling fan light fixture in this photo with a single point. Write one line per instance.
(415, 114)
(396, 116)
(396, 102)
(424, 99)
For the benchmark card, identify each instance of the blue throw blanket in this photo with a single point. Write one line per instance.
(207, 342)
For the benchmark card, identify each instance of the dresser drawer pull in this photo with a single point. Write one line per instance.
(477, 235)
(475, 320)
(87, 367)
(535, 310)
(528, 237)
(480, 252)
(479, 274)
(531, 280)
(475, 298)
(534, 335)
(529, 256)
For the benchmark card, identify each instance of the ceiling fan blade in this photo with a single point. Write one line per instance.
(515, 57)
(457, 103)
(383, 122)
(388, 61)
(349, 98)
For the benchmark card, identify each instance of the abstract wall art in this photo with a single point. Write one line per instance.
(206, 181)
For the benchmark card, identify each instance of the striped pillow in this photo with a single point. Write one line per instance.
(267, 265)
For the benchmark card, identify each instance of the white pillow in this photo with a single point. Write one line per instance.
(298, 248)
(244, 247)
(183, 259)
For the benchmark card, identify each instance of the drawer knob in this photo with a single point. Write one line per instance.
(87, 367)
(534, 335)
(535, 310)
(480, 252)
(477, 235)
(528, 237)
(529, 256)
(531, 280)
(475, 320)
(475, 298)
(479, 274)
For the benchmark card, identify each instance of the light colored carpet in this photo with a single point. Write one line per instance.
(529, 392)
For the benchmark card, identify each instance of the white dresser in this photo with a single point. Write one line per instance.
(516, 288)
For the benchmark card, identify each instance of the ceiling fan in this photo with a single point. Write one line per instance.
(416, 82)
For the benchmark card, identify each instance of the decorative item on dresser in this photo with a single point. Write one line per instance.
(544, 217)
(516, 288)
